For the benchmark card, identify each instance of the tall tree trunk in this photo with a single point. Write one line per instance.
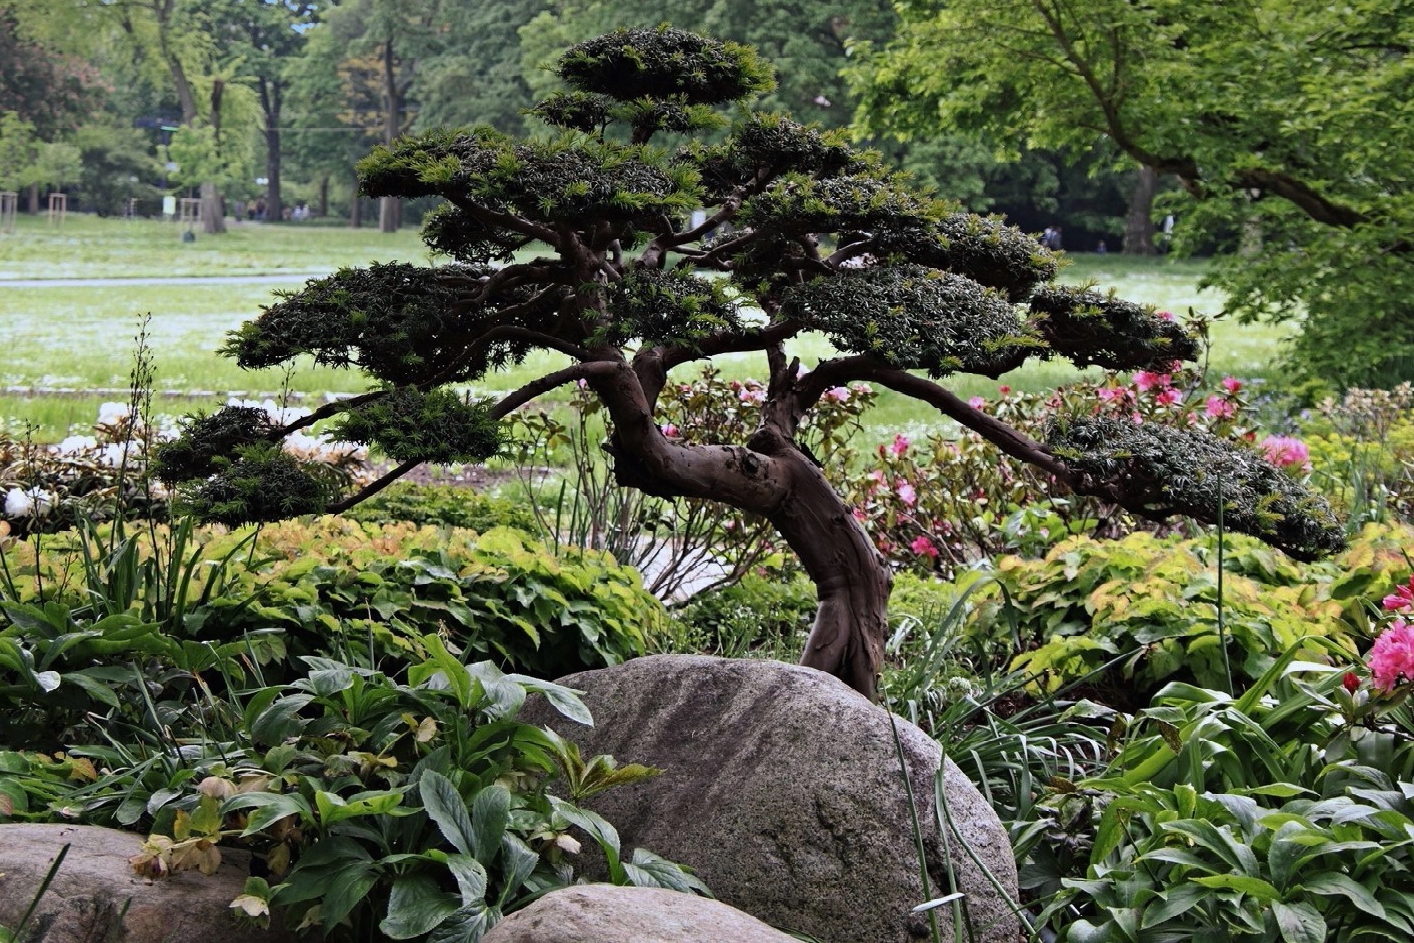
(355, 205)
(390, 208)
(323, 204)
(212, 217)
(32, 200)
(270, 105)
(1139, 220)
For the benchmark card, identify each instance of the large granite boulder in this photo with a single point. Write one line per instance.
(86, 901)
(602, 913)
(783, 790)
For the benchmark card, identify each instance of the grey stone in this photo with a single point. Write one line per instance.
(782, 789)
(86, 901)
(602, 913)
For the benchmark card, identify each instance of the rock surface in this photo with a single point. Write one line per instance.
(92, 886)
(782, 789)
(602, 913)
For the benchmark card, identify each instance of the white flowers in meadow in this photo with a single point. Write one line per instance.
(24, 503)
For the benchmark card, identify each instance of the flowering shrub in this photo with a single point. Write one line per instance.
(1362, 453)
(942, 503)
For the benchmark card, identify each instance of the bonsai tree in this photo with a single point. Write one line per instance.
(802, 234)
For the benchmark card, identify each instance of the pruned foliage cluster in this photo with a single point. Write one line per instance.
(769, 139)
(410, 425)
(1188, 471)
(666, 63)
(982, 248)
(911, 317)
(397, 322)
(667, 306)
(1093, 329)
(207, 443)
(264, 483)
(567, 180)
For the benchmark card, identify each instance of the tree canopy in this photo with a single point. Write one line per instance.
(822, 238)
(1286, 122)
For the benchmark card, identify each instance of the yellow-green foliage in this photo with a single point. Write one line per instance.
(330, 582)
(1147, 606)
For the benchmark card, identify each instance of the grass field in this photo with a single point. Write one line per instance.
(81, 338)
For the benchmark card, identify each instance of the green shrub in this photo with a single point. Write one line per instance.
(1131, 614)
(756, 616)
(444, 506)
(332, 584)
(1283, 814)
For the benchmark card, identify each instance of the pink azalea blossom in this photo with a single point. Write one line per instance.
(977, 402)
(1351, 682)
(1114, 394)
(900, 445)
(1219, 408)
(1164, 315)
(1232, 384)
(753, 396)
(669, 430)
(859, 515)
(839, 394)
(1402, 597)
(923, 547)
(1149, 380)
(862, 388)
(906, 494)
(1284, 451)
(1169, 397)
(1392, 656)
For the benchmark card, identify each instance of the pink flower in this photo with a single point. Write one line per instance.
(860, 516)
(923, 547)
(1284, 451)
(1003, 389)
(1351, 681)
(1169, 397)
(1219, 408)
(1392, 656)
(1402, 597)
(1114, 394)
(977, 402)
(900, 445)
(1232, 384)
(862, 388)
(1149, 380)
(906, 494)
(669, 430)
(839, 394)
(1164, 315)
(753, 396)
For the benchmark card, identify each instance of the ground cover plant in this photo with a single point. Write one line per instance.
(900, 281)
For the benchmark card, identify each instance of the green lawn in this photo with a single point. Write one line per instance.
(90, 247)
(81, 338)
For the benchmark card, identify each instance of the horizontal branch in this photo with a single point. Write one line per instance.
(578, 371)
(370, 490)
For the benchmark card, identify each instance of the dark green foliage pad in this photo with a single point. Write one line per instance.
(1188, 471)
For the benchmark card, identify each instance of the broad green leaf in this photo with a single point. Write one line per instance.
(490, 817)
(416, 904)
(1333, 882)
(446, 807)
(269, 808)
(1244, 884)
(1299, 923)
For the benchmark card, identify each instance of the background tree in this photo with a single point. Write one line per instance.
(1280, 118)
(822, 239)
(267, 36)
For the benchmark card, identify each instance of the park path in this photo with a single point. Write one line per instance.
(146, 281)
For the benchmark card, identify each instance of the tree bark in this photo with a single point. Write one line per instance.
(1139, 220)
(32, 199)
(852, 581)
(390, 209)
(355, 205)
(212, 218)
(270, 105)
(323, 205)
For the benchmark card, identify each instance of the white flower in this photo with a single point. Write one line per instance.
(112, 414)
(113, 454)
(75, 444)
(17, 503)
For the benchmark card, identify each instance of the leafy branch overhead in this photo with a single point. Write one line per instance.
(583, 242)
